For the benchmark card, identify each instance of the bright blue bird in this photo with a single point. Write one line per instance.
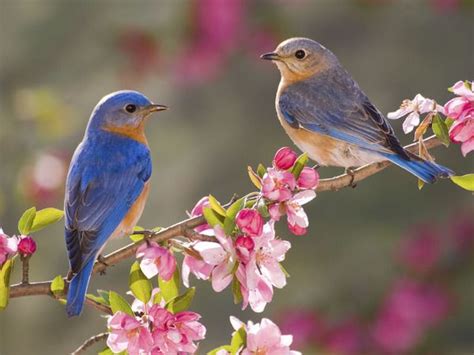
(327, 115)
(107, 184)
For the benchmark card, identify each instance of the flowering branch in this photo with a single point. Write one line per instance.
(186, 227)
(89, 342)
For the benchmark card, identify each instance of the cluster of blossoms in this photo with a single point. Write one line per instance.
(258, 338)
(152, 329)
(459, 112)
(23, 245)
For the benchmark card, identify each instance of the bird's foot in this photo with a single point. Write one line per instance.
(69, 275)
(101, 260)
(351, 172)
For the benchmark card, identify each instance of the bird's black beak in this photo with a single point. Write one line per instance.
(156, 108)
(270, 56)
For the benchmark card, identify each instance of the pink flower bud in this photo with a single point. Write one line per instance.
(245, 242)
(308, 179)
(250, 222)
(296, 229)
(284, 158)
(26, 246)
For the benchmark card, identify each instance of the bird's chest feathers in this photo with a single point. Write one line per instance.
(132, 132)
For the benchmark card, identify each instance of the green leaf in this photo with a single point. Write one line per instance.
(261, 170)
(236, 292)
(118, 303)
(169, 289)
(440, 129)
(107, 351)
(26, 221)
(5, 273)
(262, 208)
(299, 165)
(137, 237)
(448, 122)
(465, 181)
(45, 217)
(216, 206)
(239, 340)
(284, 271)
(254, 178)
(212, 217)
(182, 302)
(105, 295)
(139, 284)
(98, 299)
(57, 286)
(229, 221)
(216, 350)
(420, 184)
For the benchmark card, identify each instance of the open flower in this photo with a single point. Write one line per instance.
(175, 333)
(277, 185)
(197, 267)
(250, 222)
(414, 108)
(156, 260)
(128, 333)
(221, 255)
(8, 246)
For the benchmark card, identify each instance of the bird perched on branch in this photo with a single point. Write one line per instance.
(107, 184)
(327, 115)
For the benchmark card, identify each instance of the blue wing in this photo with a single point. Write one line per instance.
(334, 105)
(103, 183)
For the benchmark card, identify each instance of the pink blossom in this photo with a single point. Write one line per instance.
(409, 311)
(26, 246)
(421, 251)
(277, 185)
(308, 179)
(264, 338)
(198, 211)
(250, 222)
(127, 333)
(197, 267)
(174, 333)
(257, 294)
(221, 255)
(296, 216)
(8, 246)
(413, 108)
(245, 242)
(284, 158)
(461, 109)
(305, 326)
(156, 260)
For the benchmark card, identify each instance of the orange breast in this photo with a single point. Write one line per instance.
(135, 133)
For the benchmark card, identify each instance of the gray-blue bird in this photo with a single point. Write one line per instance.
(327, 115)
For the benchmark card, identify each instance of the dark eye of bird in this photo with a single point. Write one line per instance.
(300, 54)
(130, 108)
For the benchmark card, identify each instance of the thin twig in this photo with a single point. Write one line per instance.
(89, 342)
(25, 270)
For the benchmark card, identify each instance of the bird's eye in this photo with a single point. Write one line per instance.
(300, 54)
(130, 108)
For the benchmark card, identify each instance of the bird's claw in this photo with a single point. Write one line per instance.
(101, 260)
(351, 172)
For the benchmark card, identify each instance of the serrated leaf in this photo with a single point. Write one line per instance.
(5, 273)
(229, 221)
(261, 170)
(239, 340)
(182, 302)
(299, 164)
(216, 350)
(169, 289)
(464, 181)
(440, 130)
(236, 291)
(420, 184)
(57, 286)
(212, 217)
(139, 284)
(254, 178)
(45, 217)
(216, 206)
(118, 303)
(26, 221)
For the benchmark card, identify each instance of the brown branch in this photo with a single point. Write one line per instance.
(89, 342)
(345, 180)
(185, 228)
(25, 269)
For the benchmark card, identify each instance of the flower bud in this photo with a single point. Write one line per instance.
(245, 242)
(26, 246)
(250, 222)
(308, 179)
(284, 158)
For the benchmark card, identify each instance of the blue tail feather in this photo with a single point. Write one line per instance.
(425, 170)
(78, 288)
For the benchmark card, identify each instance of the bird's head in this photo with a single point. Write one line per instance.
(123, 112)
(300, 58)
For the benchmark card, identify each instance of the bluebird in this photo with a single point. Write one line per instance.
(107, 184)
(327, 115)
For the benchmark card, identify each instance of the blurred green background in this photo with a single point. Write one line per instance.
(58, 58)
